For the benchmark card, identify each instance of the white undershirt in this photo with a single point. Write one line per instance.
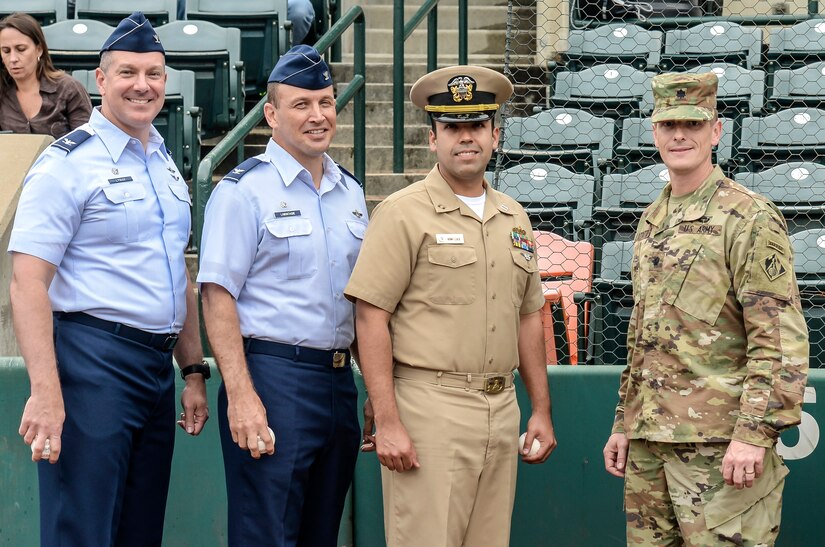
(475, 203)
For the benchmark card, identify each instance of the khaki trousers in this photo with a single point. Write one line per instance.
(675, 496)
(467, 445)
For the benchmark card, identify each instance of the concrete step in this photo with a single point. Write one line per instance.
(479, 42)
(489, 17)
(384, 184)
(380, 112)
(382, 134)
(379, 158)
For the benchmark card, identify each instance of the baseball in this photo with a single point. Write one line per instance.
(46, 450)
(533, 449)
(262, 444)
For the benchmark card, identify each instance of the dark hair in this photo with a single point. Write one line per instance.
(432, 124)
(27, 25)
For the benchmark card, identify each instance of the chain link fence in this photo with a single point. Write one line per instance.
(577, 146)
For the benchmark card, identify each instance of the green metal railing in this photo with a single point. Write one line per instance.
(234, 139)
(401, 32)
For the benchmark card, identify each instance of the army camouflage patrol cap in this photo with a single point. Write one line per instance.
(683, 96)
(462, 93)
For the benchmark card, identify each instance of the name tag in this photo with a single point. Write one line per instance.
(449, 239)
(283, 214)
(120, 179)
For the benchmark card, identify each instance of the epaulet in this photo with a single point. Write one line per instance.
(238, 172)
(350, 175)
(72, 140)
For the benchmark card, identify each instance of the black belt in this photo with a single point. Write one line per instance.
(163, 342)
(335, 358)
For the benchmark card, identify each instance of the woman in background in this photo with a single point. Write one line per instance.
(35, 97)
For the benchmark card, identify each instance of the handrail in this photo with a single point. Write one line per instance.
(402, 31)
(355, 89)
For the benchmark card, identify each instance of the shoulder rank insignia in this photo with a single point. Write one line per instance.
(238, 172)
(71, 141)
(521, 241)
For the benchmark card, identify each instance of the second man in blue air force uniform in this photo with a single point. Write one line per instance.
(101, 296)
(280, 239)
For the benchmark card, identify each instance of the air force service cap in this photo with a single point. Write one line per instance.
(463, 93)
(134, 34)
(684, 96)
(302, 66)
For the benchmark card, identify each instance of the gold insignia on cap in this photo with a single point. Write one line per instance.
(461, 88)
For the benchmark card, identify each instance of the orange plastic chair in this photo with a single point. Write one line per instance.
(566, 268)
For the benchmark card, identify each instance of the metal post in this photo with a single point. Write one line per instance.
(398, 88)
(462, 32)
(360, 114)
(432, 39)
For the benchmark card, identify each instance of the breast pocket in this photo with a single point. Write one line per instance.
(525, 266)
(451, 278)
(356, 230)
(123, 217)
(700, 285)
(292, 249)
(184, 208)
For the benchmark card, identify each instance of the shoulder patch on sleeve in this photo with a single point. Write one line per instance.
(71, 141)
(237, 173)
(350, 175)
(771, 270)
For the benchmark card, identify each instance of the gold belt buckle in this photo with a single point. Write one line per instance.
(338, 359)
(494, 384)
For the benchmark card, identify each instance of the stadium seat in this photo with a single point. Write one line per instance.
(612, 90)
(809, 265)
(795, 134)
(264, 34)
(75, 44)
(712, 42)
(178, 121)
(573, 138)
(796, 46)
(613, 292)
(566, 268)
(622, 43)
(111, 12)
(796, 188)
(636, 148)
(803, 86)
(213, 54)
(741, 91)
(46, 12)
(556, 199)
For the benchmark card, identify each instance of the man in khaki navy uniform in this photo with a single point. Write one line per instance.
(717, 345)
(448, 301)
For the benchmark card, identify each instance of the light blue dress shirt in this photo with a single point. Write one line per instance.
(285, 250)
(115, 221)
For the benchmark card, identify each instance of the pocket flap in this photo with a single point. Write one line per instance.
(181, 191)
(357, 228)
(452, 256)
(289, 227)
(524, 260)
(728, 502)
(123, 192)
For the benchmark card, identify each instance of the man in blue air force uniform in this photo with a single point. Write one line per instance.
(101, 299)
(280, 239)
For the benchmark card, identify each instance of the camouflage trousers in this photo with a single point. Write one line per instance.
(675, 496)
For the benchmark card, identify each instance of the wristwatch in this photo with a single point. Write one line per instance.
(202, 368)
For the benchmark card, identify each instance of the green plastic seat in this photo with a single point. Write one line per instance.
(111, 12)
(570, 137)
(803, 86)
(178, 121)
(741, 91)
(613, 293)
(556, 199)
(213, 54)
(636, 149)
(712, 42)
(264, 34)
(622, 43)
(809, 266)
(610, 90)
(797, 45)
(794, 134)
(74, 44)
(796, 188)
(46, 12)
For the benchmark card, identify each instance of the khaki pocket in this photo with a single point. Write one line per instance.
(451, 277)
(526, 266)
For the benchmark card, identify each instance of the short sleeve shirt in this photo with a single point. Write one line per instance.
(455, 284)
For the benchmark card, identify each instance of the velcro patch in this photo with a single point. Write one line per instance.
(774, 269)
(775, 246)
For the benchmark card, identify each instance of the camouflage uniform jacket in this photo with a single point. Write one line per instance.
(717, 344)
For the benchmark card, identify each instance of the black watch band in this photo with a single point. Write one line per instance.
(202, 368)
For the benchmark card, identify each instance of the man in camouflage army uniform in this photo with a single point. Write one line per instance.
(717, 345)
